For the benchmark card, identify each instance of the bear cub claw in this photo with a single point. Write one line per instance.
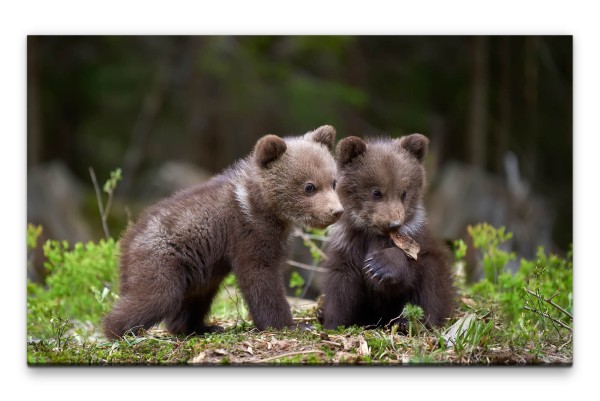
(379, 270)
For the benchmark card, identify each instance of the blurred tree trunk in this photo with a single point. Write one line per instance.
(478, 109)
(531, 104)
(195, 108)
(503, 105)
(213, 130)
(146, 117)
(34, 127)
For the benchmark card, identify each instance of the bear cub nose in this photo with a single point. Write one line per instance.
(337, 212)
(394, 224)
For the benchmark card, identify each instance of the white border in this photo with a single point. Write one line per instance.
(19, 19)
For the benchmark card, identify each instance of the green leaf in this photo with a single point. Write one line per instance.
(111, 183)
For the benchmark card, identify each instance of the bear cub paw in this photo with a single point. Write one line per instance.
(214, 329)
(402, 324)
(387, 267)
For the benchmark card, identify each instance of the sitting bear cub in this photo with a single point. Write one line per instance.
(178, 252)
(370, 280)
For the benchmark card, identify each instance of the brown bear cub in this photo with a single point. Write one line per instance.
(178, 252)
(370, 280)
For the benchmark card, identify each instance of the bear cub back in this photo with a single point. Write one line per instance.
(381, 184)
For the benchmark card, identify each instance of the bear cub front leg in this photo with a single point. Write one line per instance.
(389, 267)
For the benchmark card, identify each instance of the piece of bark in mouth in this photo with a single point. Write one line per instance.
(407, 244)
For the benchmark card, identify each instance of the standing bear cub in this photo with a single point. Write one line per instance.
(370, 280)
(178, 252)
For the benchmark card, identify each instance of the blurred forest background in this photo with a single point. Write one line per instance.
(173, 110)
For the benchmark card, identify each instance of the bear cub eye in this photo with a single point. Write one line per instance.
(310, 188)
(334, 184)
(403, 196)
(377, 194)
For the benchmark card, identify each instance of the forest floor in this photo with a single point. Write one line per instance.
(482, 341)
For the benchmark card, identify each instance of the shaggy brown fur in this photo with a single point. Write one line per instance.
(381, 185)
(178, 252)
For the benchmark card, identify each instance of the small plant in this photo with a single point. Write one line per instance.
(413, 315)
(489, 239)
(296, 283)
(60, 327)
(109, 187)
(460, 249)
(33, 233)
(228, 304)
(548, 290)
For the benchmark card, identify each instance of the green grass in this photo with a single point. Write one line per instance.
(485, 342)
(520, 318)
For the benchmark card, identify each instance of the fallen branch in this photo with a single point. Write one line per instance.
(100, 206)
(303, 319)
(549, 317)
(305, 266)
(548, 301)
(316, 351)
(317, 237)
(332, 343)
(311, 243)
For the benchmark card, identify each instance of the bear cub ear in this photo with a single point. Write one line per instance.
(268, 149)
(348, 149)
(324, 135)
(416, 145)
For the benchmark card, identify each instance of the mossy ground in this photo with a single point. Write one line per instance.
(488, 343)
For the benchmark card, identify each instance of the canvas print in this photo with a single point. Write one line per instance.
(299, 200)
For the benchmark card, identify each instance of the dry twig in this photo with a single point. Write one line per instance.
(566, 326)
(103, 213)
(311, 243)
(549, 301)
(305, 266)
(315, 351)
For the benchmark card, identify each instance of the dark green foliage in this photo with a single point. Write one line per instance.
(80, 285)
(206, 99)
(523, 295)
(296, 283)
